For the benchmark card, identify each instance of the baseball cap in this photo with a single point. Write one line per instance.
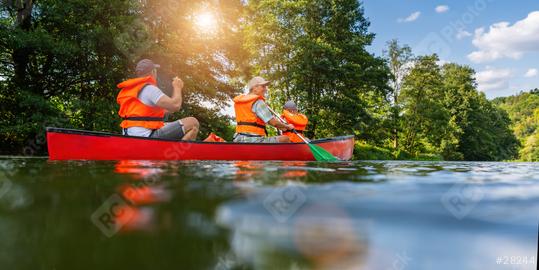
(145, 66)
(256, 81)
(290, 105)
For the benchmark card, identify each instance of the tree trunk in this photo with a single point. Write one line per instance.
(311, 111)
(396, 116)
(21, 56)
(395, 138)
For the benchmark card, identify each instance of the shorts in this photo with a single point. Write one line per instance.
(171, 131)
(240, 138)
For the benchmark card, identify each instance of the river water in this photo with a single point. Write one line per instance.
(268, 215)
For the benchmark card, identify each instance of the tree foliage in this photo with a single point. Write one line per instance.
(483, 130)
(61, 61)
(424, 121)
(523, 110)
(400, 59)
(444, 113)
(314, 53)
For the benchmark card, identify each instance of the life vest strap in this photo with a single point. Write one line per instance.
(249, 135)
(251, 124)
(140, 118)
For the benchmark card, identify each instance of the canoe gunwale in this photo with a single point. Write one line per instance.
(107, 134)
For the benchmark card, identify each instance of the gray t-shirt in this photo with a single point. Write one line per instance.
(149, 96)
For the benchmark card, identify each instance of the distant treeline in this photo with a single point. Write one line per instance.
(523, 110)
(60, 62)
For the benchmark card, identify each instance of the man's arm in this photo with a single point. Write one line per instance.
(174, 103)
(278, 124)
(260, 108)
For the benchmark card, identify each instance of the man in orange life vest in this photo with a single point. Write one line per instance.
(252, 115)
(143, 106)
(292, 116)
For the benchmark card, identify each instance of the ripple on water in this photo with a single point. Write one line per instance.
(276, 215)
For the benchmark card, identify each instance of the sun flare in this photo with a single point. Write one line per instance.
(206, 22)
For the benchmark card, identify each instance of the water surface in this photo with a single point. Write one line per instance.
(267, 215)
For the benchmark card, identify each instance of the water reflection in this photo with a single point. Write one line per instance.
(402, 223)
(139, 169)
(330, 238)
(246, 170)
(318, 236)
(270, 215)
(13, 196)
(144, 190)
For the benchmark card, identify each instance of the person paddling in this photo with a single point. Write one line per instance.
(143, 106)
(252, 115)
(292, 116)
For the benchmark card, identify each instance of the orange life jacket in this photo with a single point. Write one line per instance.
(299, 121)
(247, 120)
(214, 138)
(133, 111)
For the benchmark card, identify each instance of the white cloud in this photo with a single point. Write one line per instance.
(414, 16)
(503, 40)
(493, 79)
(442, 62)
(532, 72)
(442, 9)
(461, 34)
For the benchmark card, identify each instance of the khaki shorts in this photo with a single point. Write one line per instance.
(254, 139)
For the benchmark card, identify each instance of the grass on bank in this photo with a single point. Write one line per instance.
(364, 151)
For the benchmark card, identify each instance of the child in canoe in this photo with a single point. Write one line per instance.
(292, 116)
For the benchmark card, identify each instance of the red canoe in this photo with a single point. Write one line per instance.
(70, 144)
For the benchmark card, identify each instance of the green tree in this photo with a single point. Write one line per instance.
(425, 119)
(482, 131)
(400, 59)
(523, 112)
(314, 52)
(445, 114)
(60, 61)
(62, 65)
(209, 60)
(530, 151)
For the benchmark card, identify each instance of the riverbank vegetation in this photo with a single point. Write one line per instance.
(60, 62)
(523, 110)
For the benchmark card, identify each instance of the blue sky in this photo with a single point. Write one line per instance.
(505, 53)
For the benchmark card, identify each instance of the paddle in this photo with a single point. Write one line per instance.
(319, 153)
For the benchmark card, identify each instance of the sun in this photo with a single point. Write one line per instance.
(206, 22)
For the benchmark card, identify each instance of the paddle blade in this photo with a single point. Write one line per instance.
(320, 154)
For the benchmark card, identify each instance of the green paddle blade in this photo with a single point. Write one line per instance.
(320, 154)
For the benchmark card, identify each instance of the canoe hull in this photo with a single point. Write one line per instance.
(68, 144)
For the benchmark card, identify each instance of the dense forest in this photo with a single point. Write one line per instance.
(60, 62)
(523, 110)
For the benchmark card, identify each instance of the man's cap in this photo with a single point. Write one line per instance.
(290, 105)
(256, 81)
(145, 66)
